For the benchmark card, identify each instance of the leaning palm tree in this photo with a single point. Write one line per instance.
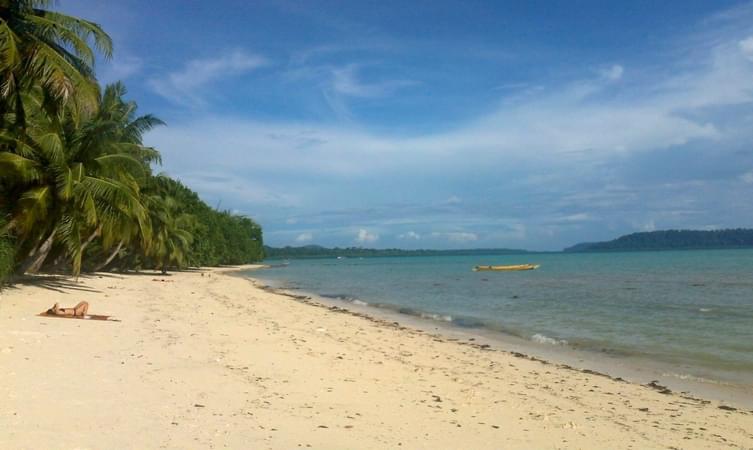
(69, 182)
(44, 48)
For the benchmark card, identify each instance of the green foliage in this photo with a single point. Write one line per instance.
(77, 182)
(6, 256)
(219, 237)
(50, 51)
(672, 240)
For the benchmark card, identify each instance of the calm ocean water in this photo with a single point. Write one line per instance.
(692, 310)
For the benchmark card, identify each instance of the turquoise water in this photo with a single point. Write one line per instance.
(692, 310)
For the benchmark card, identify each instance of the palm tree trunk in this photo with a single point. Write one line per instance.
(110, 258)
(36, 262)
(91, 238)
(9, 226)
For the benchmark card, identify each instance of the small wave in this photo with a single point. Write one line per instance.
(439, 317)
(705, 309)
(697, 379)
(359, 302)
(541, 339)
(341, 297)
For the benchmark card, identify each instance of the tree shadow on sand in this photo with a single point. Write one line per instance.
(57, 283)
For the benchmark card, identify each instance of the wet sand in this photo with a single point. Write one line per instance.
(202, 359)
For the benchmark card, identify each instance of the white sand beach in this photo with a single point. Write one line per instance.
(207, 360)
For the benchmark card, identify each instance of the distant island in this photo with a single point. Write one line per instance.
(316, 251)
(671, 240)
(644, 241)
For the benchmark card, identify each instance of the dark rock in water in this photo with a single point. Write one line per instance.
(662, 389)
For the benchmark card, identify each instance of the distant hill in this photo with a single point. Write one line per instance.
(316, 251)
(671, 240)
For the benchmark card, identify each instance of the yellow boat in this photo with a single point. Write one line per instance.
(507, 268)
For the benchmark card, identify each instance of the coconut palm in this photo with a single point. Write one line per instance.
(171, 235)
(71, 180)
(48, 49)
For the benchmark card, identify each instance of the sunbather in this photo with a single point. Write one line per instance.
(79, 310)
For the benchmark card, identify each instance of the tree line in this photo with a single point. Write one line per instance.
(78, 189)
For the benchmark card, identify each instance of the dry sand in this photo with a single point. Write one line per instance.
(202, 361)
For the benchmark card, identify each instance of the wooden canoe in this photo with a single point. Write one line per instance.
(507, 268)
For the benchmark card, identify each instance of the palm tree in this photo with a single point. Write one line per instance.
(72, 179)
(47, 49)
(171, 236)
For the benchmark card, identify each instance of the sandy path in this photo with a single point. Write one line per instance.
(214, 362)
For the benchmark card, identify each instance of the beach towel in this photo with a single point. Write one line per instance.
(86, 317)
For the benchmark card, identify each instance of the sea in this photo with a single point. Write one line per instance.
(682, 315)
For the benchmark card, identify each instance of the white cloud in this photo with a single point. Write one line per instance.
(456, 236)
(560, 124)
(345, 81)
(746, 47)
(613, 73)
(747, 177)
(221, 184)
(649, 225)
(304, 237)
(578, 217)
(364, 236)
(411, 235)
(291, 221)
(185, 86)
(454, 200)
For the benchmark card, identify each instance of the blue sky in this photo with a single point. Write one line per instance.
(435, 124)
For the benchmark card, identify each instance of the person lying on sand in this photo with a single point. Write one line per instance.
(79, 310)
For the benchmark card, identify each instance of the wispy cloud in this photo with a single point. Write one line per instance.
(746, 46)
(120, 69)
(412, 235)
(304, 237)
(186, 86)
(613, 73)
(346, 81)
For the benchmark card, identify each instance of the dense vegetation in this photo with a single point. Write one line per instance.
(77, 188)
(6, 256)
(315, 251)
(672, 240)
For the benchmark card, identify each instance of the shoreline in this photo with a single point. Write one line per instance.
(634, 370)
(205, 358)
